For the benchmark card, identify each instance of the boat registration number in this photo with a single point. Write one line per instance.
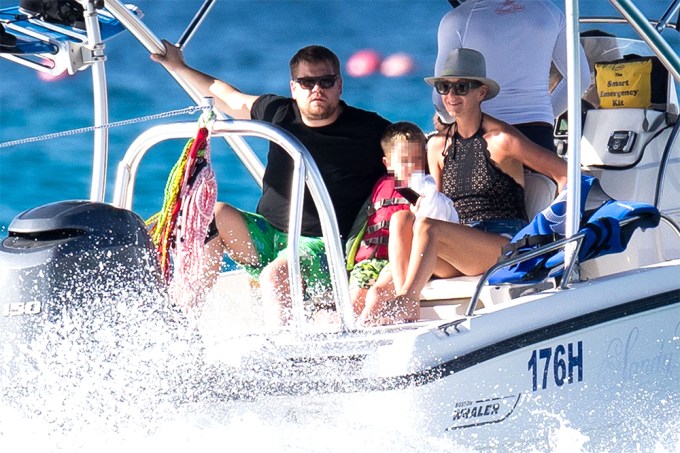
(557, 365)
(20, 308)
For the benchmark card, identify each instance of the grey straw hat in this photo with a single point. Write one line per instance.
(466, 64)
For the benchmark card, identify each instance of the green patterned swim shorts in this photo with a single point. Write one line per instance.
(271, 243)
(365, 273)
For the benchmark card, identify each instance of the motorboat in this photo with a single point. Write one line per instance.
(595, 344)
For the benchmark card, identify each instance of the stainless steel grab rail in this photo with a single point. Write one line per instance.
(306, 170)
(542, 250)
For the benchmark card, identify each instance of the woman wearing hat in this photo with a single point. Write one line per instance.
(479, 163)
(526, 54)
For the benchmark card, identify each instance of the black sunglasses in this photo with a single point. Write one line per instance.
(325, 82)
(459, 88)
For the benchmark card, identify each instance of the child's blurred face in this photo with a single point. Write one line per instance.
(406, 157)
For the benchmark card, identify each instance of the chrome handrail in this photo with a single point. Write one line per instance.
(542, 250)
(154, 45)
(561, 243)
(574, 93)
(650, 35)
(306, 171)
(618, 21)
(100, 158)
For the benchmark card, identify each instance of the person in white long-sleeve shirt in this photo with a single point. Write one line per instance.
(519, 39)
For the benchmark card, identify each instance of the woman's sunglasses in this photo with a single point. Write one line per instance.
(459, 88)
(324, 82)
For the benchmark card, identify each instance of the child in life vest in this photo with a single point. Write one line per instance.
(405, 149)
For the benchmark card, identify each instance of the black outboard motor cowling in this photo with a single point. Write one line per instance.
(71, 255)
(65, 12)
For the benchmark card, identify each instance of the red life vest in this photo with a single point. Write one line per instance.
(385, 201)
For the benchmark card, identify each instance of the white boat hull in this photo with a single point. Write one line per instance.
(598, 356)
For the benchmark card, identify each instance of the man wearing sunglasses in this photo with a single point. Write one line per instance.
(345, 144)
(478, 162)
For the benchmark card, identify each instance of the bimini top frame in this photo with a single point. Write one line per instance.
(659, 46)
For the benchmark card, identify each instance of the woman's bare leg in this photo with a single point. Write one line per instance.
(450, 250)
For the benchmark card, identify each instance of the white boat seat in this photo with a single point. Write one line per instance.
(539, 192)
(626, 176)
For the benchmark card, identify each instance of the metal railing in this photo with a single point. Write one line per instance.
(305, 169)
(571, 265)
(154, 45)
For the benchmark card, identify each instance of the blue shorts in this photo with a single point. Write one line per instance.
(505, 227)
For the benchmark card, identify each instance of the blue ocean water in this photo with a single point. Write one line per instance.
(247, 43)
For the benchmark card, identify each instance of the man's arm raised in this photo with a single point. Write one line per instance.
(228, 99)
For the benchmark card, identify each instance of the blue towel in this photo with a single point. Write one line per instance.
(600, 223)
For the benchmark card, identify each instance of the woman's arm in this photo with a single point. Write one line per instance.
(539, 159)
(435, 160)
(508, 144)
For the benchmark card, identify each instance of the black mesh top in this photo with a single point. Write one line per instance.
(479, 190)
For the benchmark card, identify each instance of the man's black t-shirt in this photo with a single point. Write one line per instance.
(347, 153)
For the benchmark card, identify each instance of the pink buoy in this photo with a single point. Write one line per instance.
(45, 77)
(397, 65)
(363, 63)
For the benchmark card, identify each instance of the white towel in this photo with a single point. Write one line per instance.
(433, 204)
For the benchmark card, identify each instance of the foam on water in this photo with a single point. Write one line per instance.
(129, 374)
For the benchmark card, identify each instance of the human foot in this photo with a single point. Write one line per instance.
(395, 311)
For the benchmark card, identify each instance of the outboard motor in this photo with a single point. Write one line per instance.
(66, 12)
(71, 255)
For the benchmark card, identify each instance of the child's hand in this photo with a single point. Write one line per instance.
(416, 206)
